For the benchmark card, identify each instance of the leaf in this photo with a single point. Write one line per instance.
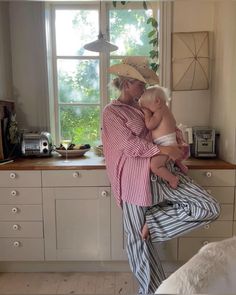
(154, 22)
(150, 34)
(153, 41)
(149, 20)
(145, 5)
(114, 3)
(152, 53)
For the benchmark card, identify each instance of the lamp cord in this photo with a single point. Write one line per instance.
(100, 35)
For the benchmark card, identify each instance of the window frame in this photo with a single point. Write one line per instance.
(103, 58)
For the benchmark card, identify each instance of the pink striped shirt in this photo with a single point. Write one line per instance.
(128, 147)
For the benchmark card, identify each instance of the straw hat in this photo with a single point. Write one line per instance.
(135, 67)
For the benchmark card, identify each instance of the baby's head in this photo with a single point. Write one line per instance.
(154, 97)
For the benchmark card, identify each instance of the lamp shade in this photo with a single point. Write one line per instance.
(100, 45)
(190, 61)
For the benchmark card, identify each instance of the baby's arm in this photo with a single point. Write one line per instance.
(152, 120)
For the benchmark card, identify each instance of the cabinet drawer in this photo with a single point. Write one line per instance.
(33, 229)
(20, 212)
(75, 178)
(190, 246)
(20, 179)
(224, 194)
(226, 212)
(167, 251)
(21, 249)
(234, 228)
(213, 177)
(214, 229)
(20, 196)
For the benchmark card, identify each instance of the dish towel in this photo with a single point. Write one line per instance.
(178, 211)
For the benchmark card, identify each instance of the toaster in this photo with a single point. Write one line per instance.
(36, 144)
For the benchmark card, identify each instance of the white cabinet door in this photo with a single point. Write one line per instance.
(118, 242)
(77, 223)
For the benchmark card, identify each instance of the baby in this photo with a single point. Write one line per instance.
(160, 120)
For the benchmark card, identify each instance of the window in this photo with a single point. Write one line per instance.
(79, 77)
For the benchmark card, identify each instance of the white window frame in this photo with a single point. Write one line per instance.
(165, 51)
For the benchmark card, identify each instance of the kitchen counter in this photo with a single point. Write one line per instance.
(90, 162)
(56, 162)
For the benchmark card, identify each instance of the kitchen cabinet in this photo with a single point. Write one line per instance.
(76, 206)
(21, 219)
(221, 184)
(52, 212)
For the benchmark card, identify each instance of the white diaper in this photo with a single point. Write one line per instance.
(165, 140)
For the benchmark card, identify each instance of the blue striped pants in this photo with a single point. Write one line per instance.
(174, 213)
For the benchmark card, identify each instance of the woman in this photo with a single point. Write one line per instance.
(128, 149)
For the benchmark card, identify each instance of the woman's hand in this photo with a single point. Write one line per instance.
(173, 152)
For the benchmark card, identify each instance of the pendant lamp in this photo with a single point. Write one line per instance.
(101, 44)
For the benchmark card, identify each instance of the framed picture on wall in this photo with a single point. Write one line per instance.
(190, 61)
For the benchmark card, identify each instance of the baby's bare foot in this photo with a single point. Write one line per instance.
(174, 182)
(145, 232)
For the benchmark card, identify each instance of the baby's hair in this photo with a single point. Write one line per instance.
(154, 91)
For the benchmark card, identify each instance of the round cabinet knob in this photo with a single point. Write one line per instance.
(13, 193)
(205, 243)
(12, 175)
(104, 193)
(76, 174)
(16, 244)
(208, 174)
(207, 226)
(15, 227)
(14, 210)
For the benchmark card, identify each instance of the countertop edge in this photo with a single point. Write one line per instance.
(93, 162)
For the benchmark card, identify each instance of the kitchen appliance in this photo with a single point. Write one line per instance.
(204, 142)
(187, 133)
(36, 144)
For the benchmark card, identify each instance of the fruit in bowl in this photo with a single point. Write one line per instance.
(73, 146)
(74, 150)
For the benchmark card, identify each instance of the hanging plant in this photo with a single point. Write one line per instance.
(153, 35)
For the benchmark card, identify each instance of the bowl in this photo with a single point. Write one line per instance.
(72, 153)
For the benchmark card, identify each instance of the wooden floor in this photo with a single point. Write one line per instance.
(101, 283)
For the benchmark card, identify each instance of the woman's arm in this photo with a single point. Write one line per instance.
(173, 152)
(116, 134)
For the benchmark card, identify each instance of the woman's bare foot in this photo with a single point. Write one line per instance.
(145, 232)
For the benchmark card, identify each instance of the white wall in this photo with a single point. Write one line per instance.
(192, 107)
(5, 54)
(29, 64)
(223, 108)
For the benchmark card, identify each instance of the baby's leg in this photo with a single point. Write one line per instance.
(158, 167)
(182, 167)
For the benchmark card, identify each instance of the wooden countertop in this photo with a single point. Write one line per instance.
(87, 162)
(90, 161)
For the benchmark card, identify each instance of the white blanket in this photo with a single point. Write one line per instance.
(211, 271)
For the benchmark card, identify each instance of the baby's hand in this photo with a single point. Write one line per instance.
(146, 111)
